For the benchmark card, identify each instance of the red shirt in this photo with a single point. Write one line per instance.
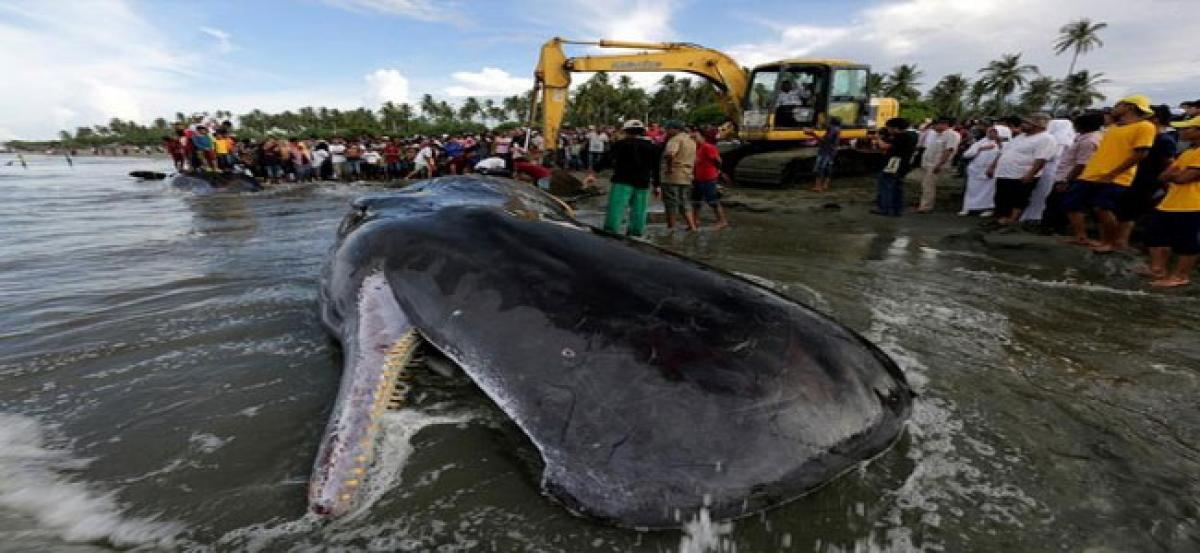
(532, 169)
(391, 154)
(708, 163)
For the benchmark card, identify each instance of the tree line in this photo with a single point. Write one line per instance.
(597, 101)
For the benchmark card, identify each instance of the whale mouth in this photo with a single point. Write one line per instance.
(376, 379)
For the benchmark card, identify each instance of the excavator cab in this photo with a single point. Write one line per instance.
(787, 99)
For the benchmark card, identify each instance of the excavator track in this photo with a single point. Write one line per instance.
(775, 169)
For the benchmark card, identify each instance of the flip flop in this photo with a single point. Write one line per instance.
(1170, 282)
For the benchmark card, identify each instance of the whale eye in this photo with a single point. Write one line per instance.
(568, 353)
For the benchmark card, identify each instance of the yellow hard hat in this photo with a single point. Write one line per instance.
(1139, 101)
(1187, 123)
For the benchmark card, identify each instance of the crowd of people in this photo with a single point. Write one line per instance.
(211, 146)
(684, 171)
(681, 165)
(1124, 165)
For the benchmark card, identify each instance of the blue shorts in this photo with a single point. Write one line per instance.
(824, 166)
(1178, 230)
(1083, 195)
(705, 192)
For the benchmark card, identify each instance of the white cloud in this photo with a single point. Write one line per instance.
(224, 44)
(424, 10)
(488, 82)
(951, 36)
(628, 20)
(62, 70)
(636, 20)
(386, 85)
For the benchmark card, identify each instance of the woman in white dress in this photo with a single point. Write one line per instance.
(981, 190)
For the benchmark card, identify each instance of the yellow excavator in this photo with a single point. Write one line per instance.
(779, 109)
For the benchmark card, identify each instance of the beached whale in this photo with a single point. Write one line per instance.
(650, 384)
(202, 182)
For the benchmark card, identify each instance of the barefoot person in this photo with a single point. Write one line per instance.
(1110, 171)
(1176, 223)
(1019, 166)
(704, 187)
(1141, 196)
(827, 152)
(679, 162)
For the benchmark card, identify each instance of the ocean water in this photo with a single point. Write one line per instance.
(164, 384)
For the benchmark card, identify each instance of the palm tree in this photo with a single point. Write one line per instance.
(1005, 75)
(902, 83)
(429, 107)
(874, 84)
(1080, 36)
(1078, 90)
(947, 95)
(515, 106)
(470, 109)
(1038, 94)
(979, 89)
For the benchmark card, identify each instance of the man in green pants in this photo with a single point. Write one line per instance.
(634, 159)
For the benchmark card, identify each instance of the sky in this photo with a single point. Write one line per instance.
(69, 63)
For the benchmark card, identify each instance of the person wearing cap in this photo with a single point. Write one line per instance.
(1018, 167)
(634, 160)
(1110, 172)
(941, 142)
(679, 163)
(1175, 226)
(1140, 198)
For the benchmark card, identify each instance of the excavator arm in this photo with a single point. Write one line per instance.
(552, 78)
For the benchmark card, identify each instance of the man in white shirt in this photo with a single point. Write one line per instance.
(941, 143)
(597, 141)
(424, 163)
(1017, 167)
(1064, 133)
(337, 156)
(789, 95)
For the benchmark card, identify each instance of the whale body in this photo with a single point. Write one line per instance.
(651, 385)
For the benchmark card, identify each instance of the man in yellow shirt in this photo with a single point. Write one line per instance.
(1110, 171)
(1176, 223)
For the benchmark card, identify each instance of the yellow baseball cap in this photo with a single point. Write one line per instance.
(1139, 101)
(1187, 123)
